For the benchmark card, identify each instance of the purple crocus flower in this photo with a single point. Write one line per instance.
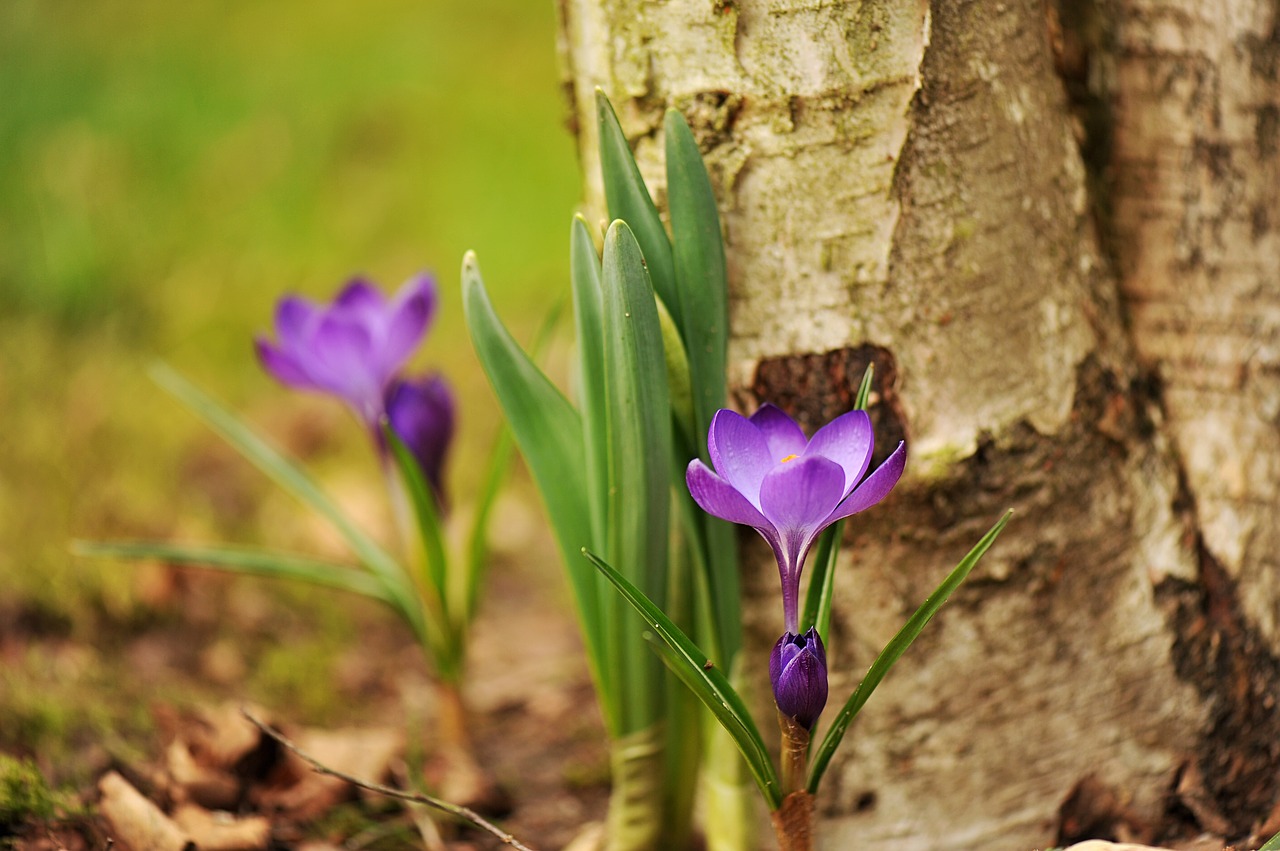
(351, 348)
(768, 476)
(421, 413)
(798, 672)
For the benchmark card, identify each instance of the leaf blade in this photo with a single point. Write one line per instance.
(246, 560)
(894, 650)
(296, 481)
(628, 199)
(549, 433)
(706, 681)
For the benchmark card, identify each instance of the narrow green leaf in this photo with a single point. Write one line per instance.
(1272, 844)
(293, 479)
(638, 421)
(817, 602)
(701, 281)
(549, 433)
(894, 650)
(584, 275)
(702, 292)
(705, 680)
(629, 200)
(499, 463)
(863, 396)
(242, 560)
(677, 362)
(427, 519)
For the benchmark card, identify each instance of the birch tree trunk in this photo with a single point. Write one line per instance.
(1054, 229)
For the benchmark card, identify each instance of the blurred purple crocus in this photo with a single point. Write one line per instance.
(798, 672)
(768, 476)
(352, 348)
(421, 413)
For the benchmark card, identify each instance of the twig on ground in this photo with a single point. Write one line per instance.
(464, 813)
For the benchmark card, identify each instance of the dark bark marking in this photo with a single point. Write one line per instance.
(1093, 810)
(816, 388)
(1219, 652)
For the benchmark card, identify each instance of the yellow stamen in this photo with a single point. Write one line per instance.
(789, 457)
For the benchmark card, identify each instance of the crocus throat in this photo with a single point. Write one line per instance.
(790, 457)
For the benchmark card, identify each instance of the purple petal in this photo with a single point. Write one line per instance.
(797, 497)
(798, 673)
(740, 453)
(780, 431)
(294, 319)
(411, 313)
(360, 296)
(422, 414)
(800, 494)
(875, 487)
(281, 365)
(340, 352)
(719, 499)
(847, 440)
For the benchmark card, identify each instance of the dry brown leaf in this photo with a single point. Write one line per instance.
(366, 754)
(221, 831)
(220, 737)
(190, 781)
(137, 822)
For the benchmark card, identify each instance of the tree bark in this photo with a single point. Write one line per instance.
(1054, 229)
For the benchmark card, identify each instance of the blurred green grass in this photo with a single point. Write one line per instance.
(167, 171)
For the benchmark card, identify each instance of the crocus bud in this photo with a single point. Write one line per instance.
(798, 671)
(421, 413)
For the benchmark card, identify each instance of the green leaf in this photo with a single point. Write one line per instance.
(549, 433)
(638, 412)
(584, 275)
(499, 463)
(427, 518)
(629, 200)
(863, 396)
(242, 560)
(817, 602)
(701, 281)
(894, 650)
(292, 478)
(1272, 844)
(705, 680)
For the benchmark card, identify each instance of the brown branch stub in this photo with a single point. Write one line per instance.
(464, 813)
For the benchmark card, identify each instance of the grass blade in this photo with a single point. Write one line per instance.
(894, 650)
(705, 680)
(241, 560)
(427, 519)
(1272, 844)
(629, 200)
(292, 478)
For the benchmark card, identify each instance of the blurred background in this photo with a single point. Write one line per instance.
(167, 171)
